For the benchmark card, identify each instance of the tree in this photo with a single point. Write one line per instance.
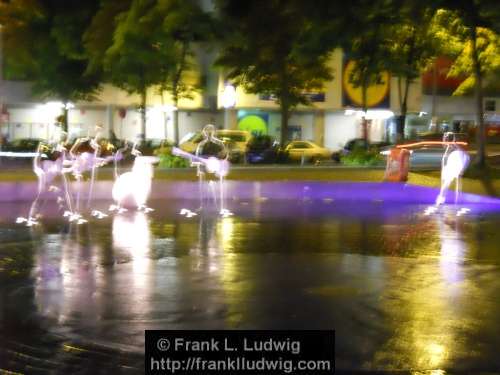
(471, 29)
(368, 48)
(274, 47)
(412, 46)
(42, 43)
(488, 51)
(182, 25)
(99, 35)
(150, 45)
(131, 59)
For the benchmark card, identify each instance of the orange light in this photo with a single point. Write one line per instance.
(432, 143)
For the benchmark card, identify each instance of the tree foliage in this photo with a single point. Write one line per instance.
(99, 35)
(412, 47)
(471, 31)
(455, 40)
(148, 43)
(488, 46)
(368, 47)
(131, 59)
(273, 47)
(42, 43)
(182, 26)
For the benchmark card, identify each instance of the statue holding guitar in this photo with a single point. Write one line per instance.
(211, 157)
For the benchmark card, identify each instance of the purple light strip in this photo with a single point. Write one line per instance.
(274, 190)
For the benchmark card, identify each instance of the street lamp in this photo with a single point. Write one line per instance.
(228, 99)
(229, 96)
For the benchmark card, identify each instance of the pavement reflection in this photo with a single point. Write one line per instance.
(404, 291)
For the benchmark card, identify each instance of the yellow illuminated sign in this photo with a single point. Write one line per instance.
(375, 94)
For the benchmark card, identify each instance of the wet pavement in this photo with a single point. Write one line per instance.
(404, 291)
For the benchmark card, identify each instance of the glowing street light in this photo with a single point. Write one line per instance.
(229, 96)
(228, 99)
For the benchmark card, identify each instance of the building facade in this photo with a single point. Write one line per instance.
(331, 120)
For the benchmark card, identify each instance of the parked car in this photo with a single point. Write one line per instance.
(306, 151)
(190, 141)
(263, 149)
(235, 140)
(357, 144)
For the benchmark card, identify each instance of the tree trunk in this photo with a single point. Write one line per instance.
(175, 89)
(407, 81)
(65, 118)
(401, 120)
(364, 121)
(400, 99)
(175, 121)
(434, 90)
(285, 114)
(144, 94)
(481, 130)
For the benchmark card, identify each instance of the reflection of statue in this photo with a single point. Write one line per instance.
(453, 165)
(131, 233)
(49, 163)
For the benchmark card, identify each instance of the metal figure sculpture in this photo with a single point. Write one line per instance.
(454, 163)
(49, 162)
(211, 157)
(84, 154)
(88, 154)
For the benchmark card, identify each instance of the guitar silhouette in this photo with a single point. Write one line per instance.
(219, 167)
